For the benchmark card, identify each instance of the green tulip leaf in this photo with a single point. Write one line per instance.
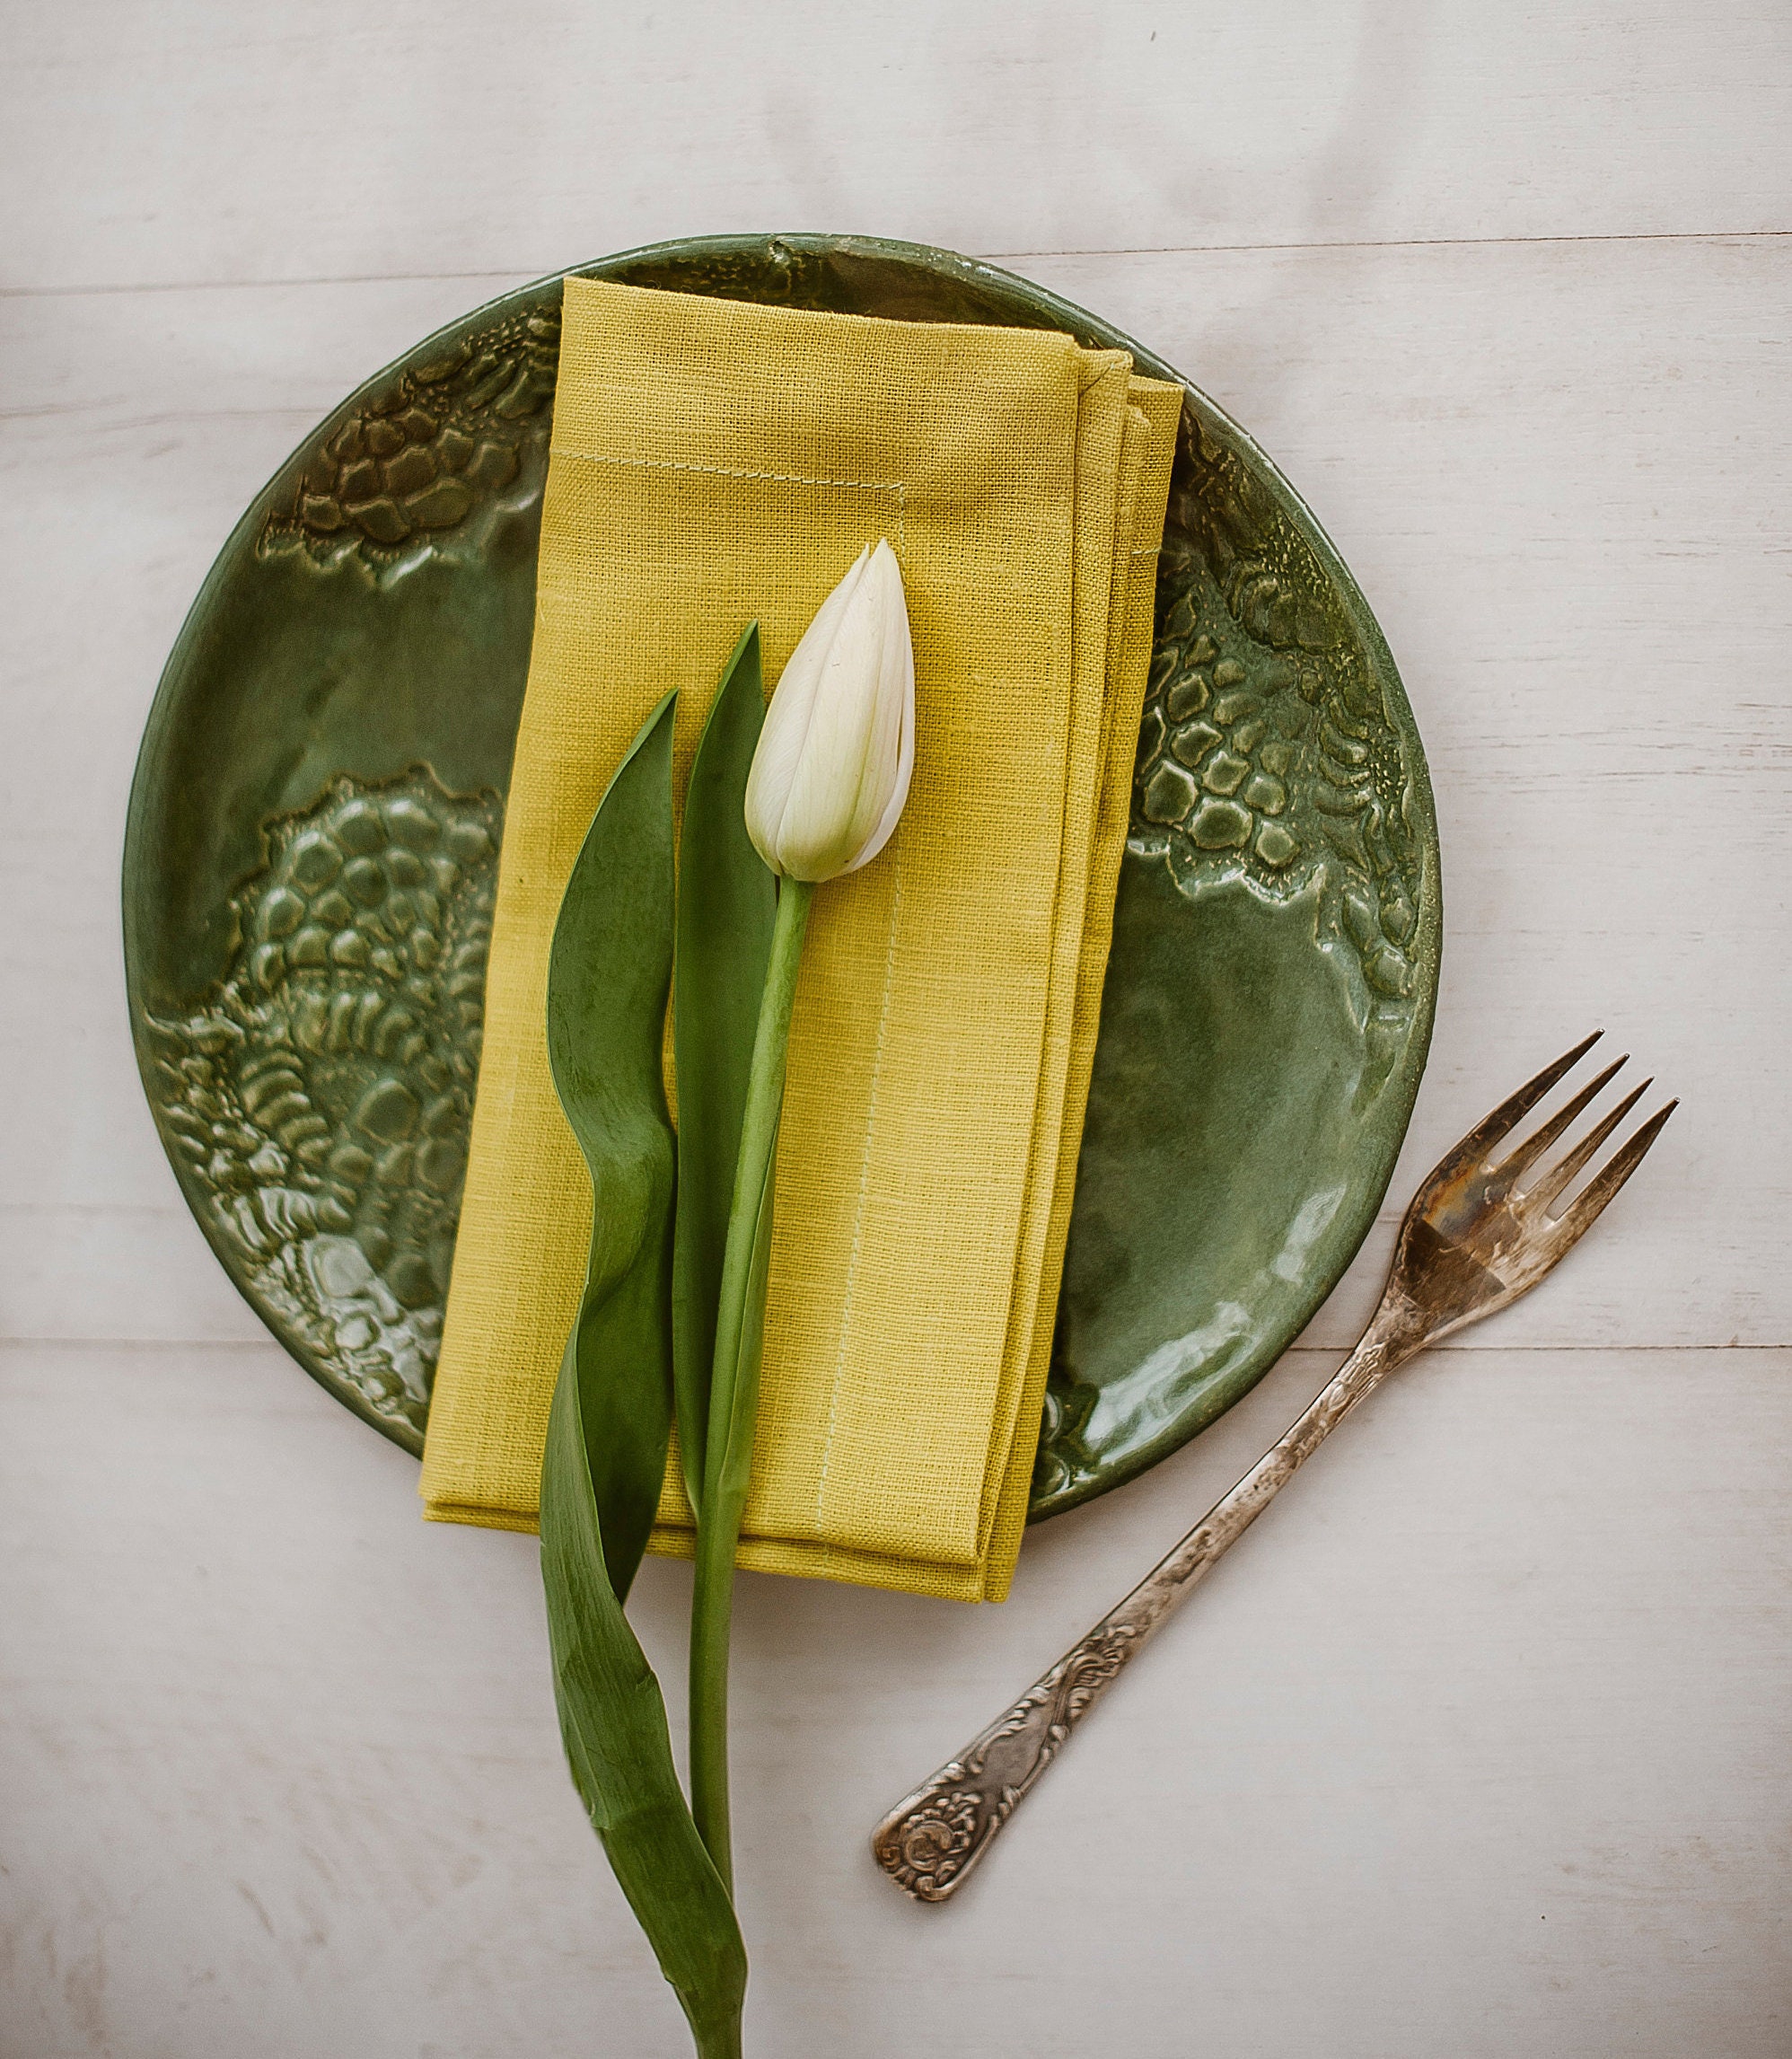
(614, 1724)
(608, 975)
(727, 902)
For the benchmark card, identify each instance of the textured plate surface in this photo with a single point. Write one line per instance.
(310, 857)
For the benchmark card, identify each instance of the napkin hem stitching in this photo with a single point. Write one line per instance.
(895, 486)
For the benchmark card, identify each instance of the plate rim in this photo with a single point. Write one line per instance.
(1398, 1093)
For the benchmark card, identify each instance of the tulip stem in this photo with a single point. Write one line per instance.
(733, 1393)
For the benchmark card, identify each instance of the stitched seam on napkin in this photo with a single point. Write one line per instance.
(894, 486)
(864, 1181)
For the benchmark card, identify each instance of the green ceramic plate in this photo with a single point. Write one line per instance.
(311, 853)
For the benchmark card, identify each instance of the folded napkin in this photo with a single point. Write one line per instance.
(714, 463)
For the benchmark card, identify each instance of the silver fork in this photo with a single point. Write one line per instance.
(1472, 1241)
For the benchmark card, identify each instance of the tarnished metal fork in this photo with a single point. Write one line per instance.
(1473, 1240)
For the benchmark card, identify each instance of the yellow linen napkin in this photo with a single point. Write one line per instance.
(714, 463)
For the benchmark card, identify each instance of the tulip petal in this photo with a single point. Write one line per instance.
(815, 837)
(836, 751)
(897, 696)
(787, 719)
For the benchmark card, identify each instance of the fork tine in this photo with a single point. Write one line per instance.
(1552, 1182)
(1539, 1140)
(1490, 1128)
(1588, 1207)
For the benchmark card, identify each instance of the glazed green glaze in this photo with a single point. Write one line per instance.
(310, 859)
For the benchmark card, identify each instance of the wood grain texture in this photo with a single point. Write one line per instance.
(1484, 1730)
(345, 141)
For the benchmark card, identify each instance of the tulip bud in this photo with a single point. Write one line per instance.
(834, 759)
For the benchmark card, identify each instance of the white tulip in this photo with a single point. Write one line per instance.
(834, 759)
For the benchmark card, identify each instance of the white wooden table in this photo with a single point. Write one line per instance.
(1477, 1748)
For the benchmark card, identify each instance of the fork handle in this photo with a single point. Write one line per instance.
(933, 1837)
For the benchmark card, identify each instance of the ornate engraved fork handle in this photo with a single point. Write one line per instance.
(1472, 1241)
(933, 1837)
